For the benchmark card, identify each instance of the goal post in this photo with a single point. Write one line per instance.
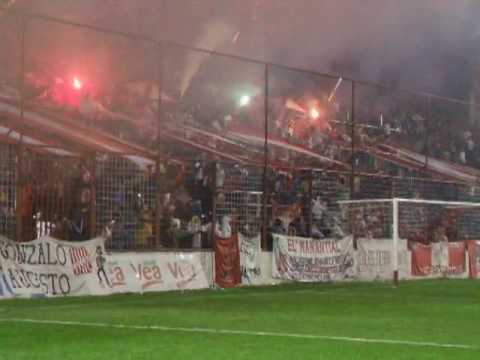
(395, 236)
(400, 222)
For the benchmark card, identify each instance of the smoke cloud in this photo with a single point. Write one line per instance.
(426, 44)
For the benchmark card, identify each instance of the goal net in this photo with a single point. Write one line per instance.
(411, 238)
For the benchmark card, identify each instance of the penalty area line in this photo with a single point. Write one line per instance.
(239, 332)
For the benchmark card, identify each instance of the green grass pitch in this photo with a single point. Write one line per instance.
(418, 320)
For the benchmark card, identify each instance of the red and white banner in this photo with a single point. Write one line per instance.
(306, 259)
(421, 260)
(227, 261)
(438, 260)
(456, 258)
(474, 258)
(48, 267)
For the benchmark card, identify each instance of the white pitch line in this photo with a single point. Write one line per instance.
(241, 332)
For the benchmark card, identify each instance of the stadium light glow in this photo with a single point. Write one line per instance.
(245, 100)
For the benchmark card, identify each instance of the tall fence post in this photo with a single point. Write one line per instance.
(158, 175)
(22, 65)
(265, 164)
(93, 194)
(352, 149)
(310, 201)
(214, 206)
(393, 190)
(19, 224)
(19, 193)
(427, 131)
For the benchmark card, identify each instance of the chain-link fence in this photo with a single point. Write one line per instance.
(153, 143)
(8, 189)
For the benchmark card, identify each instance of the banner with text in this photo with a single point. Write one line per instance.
(438, 260)
(250, 266)
(374, 259)
(152, 272)
(306, 259)
(48, 267)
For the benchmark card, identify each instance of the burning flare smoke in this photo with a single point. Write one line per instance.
(213, 36)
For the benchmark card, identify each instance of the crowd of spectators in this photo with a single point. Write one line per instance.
(185, 204)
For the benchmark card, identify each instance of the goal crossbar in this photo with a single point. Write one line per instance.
(413, 201)
(395, 218)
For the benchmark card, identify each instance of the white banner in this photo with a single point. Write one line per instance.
(151, 272)
(256, 265)
(306, 259)
(375, 259)
(49, 267)
(250, 249)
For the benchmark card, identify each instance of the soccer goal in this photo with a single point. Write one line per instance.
(411, 238)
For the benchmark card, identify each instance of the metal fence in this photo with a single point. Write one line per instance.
(267, 147)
